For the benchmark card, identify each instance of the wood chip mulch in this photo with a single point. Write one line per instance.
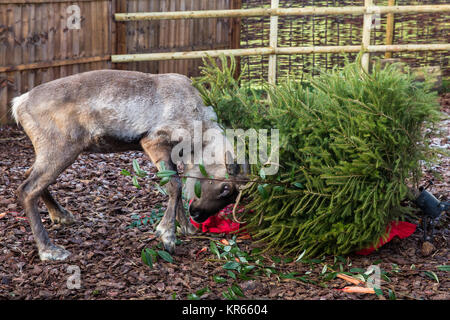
(107, 252)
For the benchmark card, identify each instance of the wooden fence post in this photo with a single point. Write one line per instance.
(389, 29)
(367, 26)
(273, 43)
(121, 33)
(235, 35)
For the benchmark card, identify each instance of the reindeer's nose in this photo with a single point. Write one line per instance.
(197, 216)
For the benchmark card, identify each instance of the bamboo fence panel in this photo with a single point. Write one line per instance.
(317, 30)
(268, 12)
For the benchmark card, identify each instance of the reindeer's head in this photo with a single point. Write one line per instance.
(216, 193)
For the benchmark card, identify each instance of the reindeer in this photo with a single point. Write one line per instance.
(111, 111)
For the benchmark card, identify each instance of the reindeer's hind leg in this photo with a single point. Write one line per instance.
(57, 213)
(45, 170)
(158, 149)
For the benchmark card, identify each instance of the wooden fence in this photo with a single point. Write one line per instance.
(167, 36)
(368, 11)
(36, 44)
(342, 30)
(42, 40)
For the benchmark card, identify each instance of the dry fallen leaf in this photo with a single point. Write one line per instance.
(427, 248)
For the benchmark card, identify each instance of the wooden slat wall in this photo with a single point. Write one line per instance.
(36, 46)
(35, 31)
(176, 35)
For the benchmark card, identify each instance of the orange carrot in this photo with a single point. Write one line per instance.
(349, 278)
(225, 242)
(358, 290)
(2, 215)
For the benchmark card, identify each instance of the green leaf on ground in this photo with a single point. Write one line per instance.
(432, 275)
(165, 255)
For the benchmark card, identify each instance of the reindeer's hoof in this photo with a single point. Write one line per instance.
(167, 238)
(188, 230)
(53, 253)
(63, 218)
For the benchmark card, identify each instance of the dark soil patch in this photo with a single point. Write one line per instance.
(108, 252)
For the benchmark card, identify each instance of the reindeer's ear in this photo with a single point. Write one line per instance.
(233, 169)
(245, 168)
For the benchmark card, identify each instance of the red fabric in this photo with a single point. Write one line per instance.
(221, 222)
(400, 229)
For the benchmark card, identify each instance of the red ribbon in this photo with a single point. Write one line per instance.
(400, 229)
(222, 222)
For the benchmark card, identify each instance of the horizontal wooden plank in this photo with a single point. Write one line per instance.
(189, 54)
(46, 1)
(55, 63)
(409, 47)
(270, 50)
(258, 12)
(233, 13)
(200, 47)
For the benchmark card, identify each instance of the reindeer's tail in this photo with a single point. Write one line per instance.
(17, 102)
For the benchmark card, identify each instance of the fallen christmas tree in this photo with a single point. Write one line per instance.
(350, 144)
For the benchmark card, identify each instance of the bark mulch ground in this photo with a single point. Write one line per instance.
(106, 243)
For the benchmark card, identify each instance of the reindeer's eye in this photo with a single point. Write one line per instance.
(225, 190)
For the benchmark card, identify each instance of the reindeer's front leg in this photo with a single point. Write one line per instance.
(159, 150)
